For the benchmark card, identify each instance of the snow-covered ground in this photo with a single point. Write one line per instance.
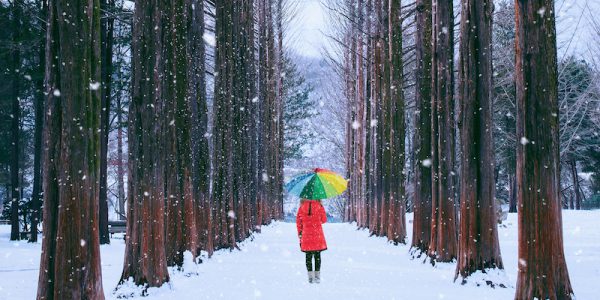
(356, 266)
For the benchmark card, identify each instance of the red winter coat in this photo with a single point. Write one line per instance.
(311, 215)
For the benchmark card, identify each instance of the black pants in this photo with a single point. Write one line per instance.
(309, 258)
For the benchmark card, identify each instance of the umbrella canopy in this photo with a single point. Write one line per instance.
(318, 184)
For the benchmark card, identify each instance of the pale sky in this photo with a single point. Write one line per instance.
(307, 38)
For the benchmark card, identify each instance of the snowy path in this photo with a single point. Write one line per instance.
(356, 266)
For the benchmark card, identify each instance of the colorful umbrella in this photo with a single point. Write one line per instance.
(318, 184)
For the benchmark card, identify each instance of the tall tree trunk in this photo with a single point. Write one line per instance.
(443, 243)
(106, 34)
(36, 194)
(145, 259)
(369, 122)
(181, 229)
(199, 108)
(120, 163)
(376, 112)
(542, 268)
(352, 125)
(512, 193)
(396, 230)
(478, 248)
(70, 260)
(360, 208)
(233, 84)
(278, 175)
(260, 114)
(422, 144)
(15, 122)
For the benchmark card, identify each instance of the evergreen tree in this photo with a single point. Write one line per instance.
(299, 108)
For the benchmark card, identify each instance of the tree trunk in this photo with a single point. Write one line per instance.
(233, 84)
(145, 259)
(385, 128)
(181, 229)
(15, 123)
(443, 244)
(199, 108)
(512, 193)
(396, 231)
(36, 194)
(70, 261)
(106, 35)
(576, 187)
(422, 144)
(351, 91)
(120, 163)
(479, 248)
(542, 268)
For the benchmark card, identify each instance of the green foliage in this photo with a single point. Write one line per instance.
(299, 108)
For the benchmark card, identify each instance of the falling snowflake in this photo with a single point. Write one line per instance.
(542, 11)
(522, 262)
(82, 243)
(373, 122)
(524, 141)
(426, 163)
(94, 86)
(56, 93)
(231, 214)
(355, 125)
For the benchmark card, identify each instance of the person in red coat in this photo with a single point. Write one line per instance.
(311, 215)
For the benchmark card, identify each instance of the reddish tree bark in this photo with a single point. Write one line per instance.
(542, 268)
(181, 205)
(235, 184)
(145, 259)
(422, 144)
(443, 243)
(478, 248)
(70, 262)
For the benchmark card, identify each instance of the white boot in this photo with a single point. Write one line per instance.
(311, 276)
(317, 276)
